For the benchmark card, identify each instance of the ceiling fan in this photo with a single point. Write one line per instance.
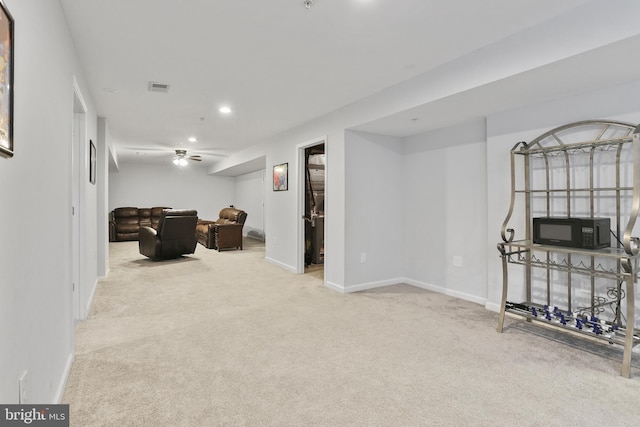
(180, 156)
(180, 159)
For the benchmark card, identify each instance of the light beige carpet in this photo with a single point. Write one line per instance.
(227, 339)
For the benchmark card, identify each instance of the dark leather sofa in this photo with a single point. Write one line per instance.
(175, 235)
(125, 223)
(225, 232)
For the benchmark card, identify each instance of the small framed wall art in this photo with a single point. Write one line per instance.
(92, 162)
(6, 81)
(281, 177)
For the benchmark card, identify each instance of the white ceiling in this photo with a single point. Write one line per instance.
(274, 62)
(604, 67)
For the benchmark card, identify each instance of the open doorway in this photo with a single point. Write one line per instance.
(314, 212)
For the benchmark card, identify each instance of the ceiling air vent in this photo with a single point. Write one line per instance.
(158, 87)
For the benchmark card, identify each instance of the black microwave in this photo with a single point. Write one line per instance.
(583, 233)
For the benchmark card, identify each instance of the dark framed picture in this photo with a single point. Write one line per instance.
(92, 162)
(281, 177)
(6, 81)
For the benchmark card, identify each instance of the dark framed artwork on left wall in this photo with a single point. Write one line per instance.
(92, 162)
(6, 81)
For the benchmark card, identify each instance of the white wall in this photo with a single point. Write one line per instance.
(147, 185)
(483, 154)
(36, 312)
(249, 196)
(547, 51)
(375, 224)
(280, 211)
(445, 205)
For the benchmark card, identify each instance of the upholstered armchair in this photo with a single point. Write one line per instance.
(225, 232)
(175, 235)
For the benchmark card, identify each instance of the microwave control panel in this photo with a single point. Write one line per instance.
(587, 237)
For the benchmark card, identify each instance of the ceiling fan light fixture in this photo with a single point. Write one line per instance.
(180, 161)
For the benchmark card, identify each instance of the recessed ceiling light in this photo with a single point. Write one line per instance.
(192, 139)
(225, 110)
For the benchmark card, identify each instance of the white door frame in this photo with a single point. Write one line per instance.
(301, 195)
(263, 195)
(78, 136)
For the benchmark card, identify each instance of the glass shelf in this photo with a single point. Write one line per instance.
(528, 245)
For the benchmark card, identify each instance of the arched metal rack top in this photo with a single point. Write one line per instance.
(588, 136)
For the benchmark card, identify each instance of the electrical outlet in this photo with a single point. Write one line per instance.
(457, 261)
(23, 388)
(363, 257)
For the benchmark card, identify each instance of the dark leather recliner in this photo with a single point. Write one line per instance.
(175, 236)
(225, 232)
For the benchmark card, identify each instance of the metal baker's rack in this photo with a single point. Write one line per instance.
(584, 169)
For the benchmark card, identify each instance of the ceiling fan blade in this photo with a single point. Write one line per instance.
(175, 153)
(211, 152)
(204, 154)
(154, 154)
(147, 149)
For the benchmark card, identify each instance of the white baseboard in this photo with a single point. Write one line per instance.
(63, 381)
(334, 287)
(492, 306)
(281, 264)
(361, 286)
(411, 282)
(445, 291)
(87, 308)
(373, 285)
(395, 281)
